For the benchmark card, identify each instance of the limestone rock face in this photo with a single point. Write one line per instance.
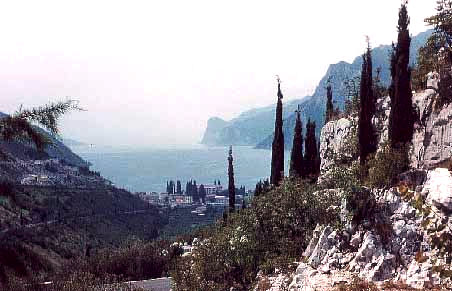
(432, 138)
(438, 189)
(334, 137)
(394, 245)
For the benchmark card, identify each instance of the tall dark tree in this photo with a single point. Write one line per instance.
(366, 133)
(296, 157)
(329, 112)
(401, 118)
(178, 187)
(231, 186)
(188, 188)
(277, 167)
(195, 192)
(202, 193)
(311, 151)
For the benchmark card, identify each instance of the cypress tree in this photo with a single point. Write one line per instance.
(202, 193)
(401, 118)
(310, 153)
(178, 187)
(195, 192)
(296, 158)
(231, 186)
(277, 167)
(366, 133)
(329, 112)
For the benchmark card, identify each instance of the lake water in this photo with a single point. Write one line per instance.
(149, 169)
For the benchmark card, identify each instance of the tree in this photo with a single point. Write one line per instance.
(401, 118)
(258, 189)
(19, 126)
(366, 133)
(178, 187)
(427, 61)
(277, 167)
(329, 112)
(231, 186)
(296, 158)
(352, 89)
(195, 192)
(202, 193)
(188, 188)
(442, 43)
(170, 188)
(442, 22)
(311, 153)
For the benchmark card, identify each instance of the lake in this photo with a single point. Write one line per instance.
(145, 170)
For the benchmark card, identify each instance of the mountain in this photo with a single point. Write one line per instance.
(214, 126)
(255, 127)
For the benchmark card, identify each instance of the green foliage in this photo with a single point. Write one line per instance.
(311, 159)
(73, 281)
(277, 166)
(329, 112)
(135, 260)
(7, 189)
(270, 234)
(296, 157)
(19, 126)
(231, 184)
(427, 61)
(352, 87)
(262, 187)
(386, 165)
(401, 117)
(366, 133)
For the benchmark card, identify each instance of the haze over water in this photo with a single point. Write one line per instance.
(145, 170)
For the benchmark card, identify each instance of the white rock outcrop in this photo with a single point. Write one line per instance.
(396, 246)
(438, 189)
(432, 138)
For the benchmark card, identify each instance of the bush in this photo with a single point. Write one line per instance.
(269, 235)
(7, 188)
(76, 281)
(386, 165)
(135, 260)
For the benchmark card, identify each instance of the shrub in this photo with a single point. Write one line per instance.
(135, 260)
(7, 188)
(386, 165)
(269, 235)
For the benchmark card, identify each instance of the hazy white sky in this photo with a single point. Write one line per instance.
(153, 72)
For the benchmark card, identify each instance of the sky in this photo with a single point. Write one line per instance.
(151, 73)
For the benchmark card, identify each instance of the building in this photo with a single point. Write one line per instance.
(212, 189)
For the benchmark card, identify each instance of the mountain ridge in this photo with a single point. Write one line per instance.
(257, 129)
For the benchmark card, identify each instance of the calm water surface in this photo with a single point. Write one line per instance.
(149, 169)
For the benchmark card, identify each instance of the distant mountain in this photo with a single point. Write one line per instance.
(255, 127)
(214, 126)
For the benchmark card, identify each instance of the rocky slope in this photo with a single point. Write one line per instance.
(255, 127)
(405, 236)
(399, 247)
